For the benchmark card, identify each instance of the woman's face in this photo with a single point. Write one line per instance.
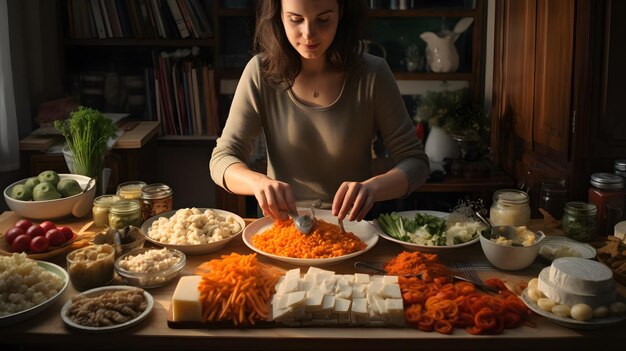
(310, 25)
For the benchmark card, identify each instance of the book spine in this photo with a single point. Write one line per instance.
(98, 19)
(105, 18)
(206, 30)
(158, 18)
(178, 18)
(116, 26)
(182, 5)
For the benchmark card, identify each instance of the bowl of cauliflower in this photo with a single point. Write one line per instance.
(193, 231)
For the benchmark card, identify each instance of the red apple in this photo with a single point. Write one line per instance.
(13, 233)
(24, 224)
(39, 244)
(55, 237)
(21, 243)
(35, 230)
(67, 231)
(47, 225)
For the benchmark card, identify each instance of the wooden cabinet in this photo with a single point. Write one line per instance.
(555, 110)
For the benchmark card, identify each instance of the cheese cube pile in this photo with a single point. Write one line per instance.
(323, 298)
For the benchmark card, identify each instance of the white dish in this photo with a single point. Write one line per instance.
(23, 315)
(414, 247)
(78, 205)
(364, 230)
(99, 291)
(193, 249)
(570, 322)
(585, 250)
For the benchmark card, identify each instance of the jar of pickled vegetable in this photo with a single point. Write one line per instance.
(130, 190)
(155, 199)
(124, 213)
(579, 221)
(100, 209)
(510, 207)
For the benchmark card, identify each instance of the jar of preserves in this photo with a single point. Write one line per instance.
(124, 213)
(619, 167)
(100, 209)
(510, 207)
(607, 193)
(130, 190)
(579, 221)
(155, 199)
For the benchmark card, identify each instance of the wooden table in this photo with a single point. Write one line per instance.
(46, 330)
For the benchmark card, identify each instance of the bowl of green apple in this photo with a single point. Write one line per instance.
(51, 195)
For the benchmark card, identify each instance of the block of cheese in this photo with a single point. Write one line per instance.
(186, 306)
(571, 298)
(580, 275)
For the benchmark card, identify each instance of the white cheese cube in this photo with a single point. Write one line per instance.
(359, 290)
(295, 298)
(374, 287)
(394, 305)
(359, 306)
(361, 278)
(328, 303)
(342, 306)
(314, 298)
(186, 306)
(292, 273)
(390, 279)
(390, 291)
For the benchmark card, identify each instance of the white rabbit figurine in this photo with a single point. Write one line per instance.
(441, 54)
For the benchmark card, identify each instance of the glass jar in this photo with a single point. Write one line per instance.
(510, 207)
(619, 167)
(606, 192)
(553, 196)
(579, 221)
(130, 190)
(100, 209)
(155, 199)
(124, 213)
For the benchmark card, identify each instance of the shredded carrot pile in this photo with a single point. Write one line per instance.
(326, 240)
(442, 306)
(237, 288)
(416, 262)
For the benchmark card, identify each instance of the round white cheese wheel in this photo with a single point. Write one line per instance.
(581, 276)
(569, 298)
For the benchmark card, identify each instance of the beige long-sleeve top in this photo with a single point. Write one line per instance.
(315, 149)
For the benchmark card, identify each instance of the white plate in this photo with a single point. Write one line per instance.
(570, 322)
(99, 291)
(22, 315)
(425, 248)
(364, 230)
(193, 249)
(585, 250)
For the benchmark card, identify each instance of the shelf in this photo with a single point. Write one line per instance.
(432, 76)
(141, 42)
(422, 13)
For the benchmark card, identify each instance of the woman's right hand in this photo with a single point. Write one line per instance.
(274, 198)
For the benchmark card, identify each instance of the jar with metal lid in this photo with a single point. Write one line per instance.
(130, 190)
(100, 209)
(510, 207)
(155, 199)
(579, 221)
(619, 167)
(607, 193)
(124, 213)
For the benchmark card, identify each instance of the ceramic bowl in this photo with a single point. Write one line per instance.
(78, 205)
(508, 257)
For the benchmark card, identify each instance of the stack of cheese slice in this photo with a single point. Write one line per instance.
(323, 298)
(318, 298)
(573, 280)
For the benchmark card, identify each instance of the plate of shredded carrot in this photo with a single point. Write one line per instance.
(326, 244)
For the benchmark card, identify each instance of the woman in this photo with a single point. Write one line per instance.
(319, 102)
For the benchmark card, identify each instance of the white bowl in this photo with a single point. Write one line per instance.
(78, 205)
(509, 258)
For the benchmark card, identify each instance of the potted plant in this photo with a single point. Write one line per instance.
(87, 132)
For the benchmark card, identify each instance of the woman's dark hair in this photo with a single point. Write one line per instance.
(281, 63)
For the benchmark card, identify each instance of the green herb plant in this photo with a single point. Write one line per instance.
(87, 132)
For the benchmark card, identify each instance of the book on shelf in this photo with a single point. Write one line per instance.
(204, 24)
(98, 18)
(122, 12)
(184, 10)
(116, 26)
(146, 21)
(105, 17)
(178, 18)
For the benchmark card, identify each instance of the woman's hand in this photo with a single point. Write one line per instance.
(354, 199)
(274, 198)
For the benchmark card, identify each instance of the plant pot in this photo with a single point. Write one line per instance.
(439, 145)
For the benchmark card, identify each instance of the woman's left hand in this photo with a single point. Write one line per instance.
(354, 199)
